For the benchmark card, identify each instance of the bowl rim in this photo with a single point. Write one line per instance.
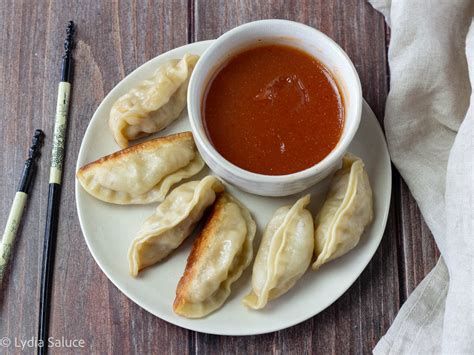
(204, 143)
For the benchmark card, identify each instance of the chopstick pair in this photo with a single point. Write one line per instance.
(16, 212)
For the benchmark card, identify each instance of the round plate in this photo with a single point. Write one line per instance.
(109, 230)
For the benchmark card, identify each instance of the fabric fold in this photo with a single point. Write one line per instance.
(430, 136)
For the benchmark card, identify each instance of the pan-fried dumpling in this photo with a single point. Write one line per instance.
(284, 253)
(172, 222)
(153, 104)
(220, 254)
(348, 209)
(143, 173)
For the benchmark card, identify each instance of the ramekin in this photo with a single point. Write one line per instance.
(296, 35)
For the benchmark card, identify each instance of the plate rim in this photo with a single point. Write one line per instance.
(384, 217)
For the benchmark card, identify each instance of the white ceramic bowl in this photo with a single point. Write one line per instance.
(280, 32)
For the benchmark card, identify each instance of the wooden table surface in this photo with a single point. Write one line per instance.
(115, 37)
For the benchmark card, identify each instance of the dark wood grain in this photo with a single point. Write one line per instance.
(21, 112)
(114, 38)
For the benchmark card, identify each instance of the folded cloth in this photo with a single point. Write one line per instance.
(429, 123)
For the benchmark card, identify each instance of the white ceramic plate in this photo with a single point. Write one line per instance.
(109, 230)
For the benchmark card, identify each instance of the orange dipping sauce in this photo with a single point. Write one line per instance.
(273, 110)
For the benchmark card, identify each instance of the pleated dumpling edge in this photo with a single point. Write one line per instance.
(347, 210)
(143, 173)
(154, 103)
(220, 254)
(172, 222)
(284, 253)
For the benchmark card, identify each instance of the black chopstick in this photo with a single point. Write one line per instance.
(59, 140)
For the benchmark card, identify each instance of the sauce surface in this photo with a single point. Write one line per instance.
(273, 110)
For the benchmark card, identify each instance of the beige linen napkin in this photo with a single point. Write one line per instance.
(430, 133)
